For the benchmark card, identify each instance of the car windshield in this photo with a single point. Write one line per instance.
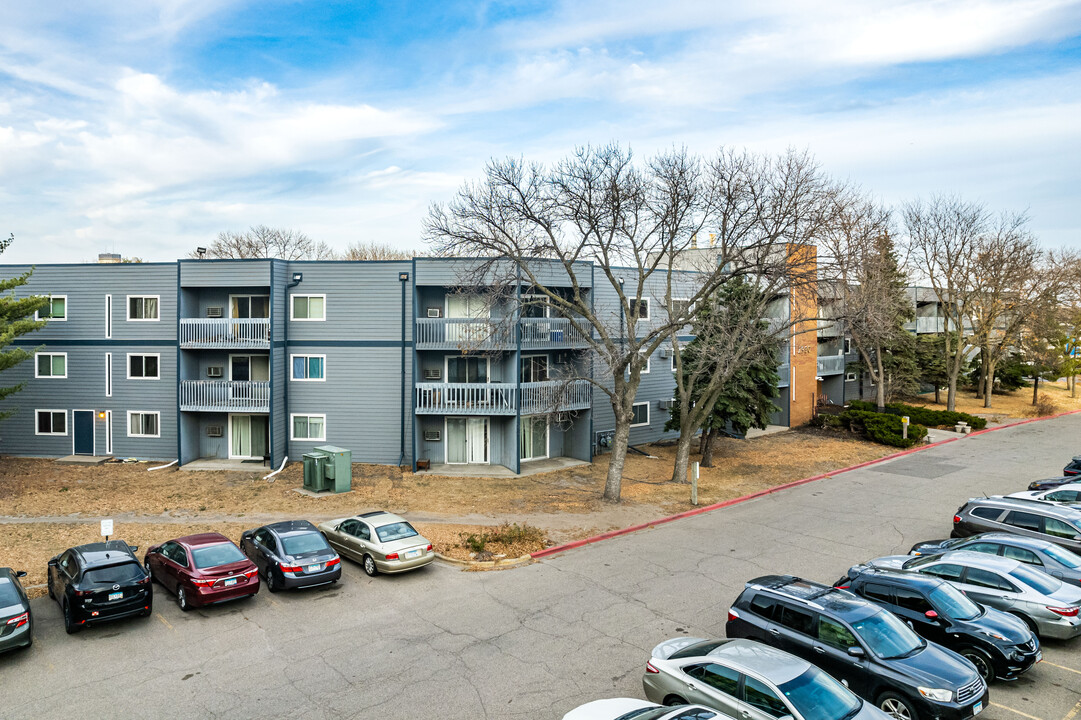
(128, 572)
(8, 594)
(306, 543)
(887, 636)
(210, 556)
(1064, 556)
(950, 602)
(646, 713)
(817, 696)
(920, 561)
(1038, 581)
(395, 531)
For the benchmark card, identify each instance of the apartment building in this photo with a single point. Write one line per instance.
(259, 360)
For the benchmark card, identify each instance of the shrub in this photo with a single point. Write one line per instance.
(511, 533)
(884, 428)
(924, 416)
(476, 543)
(1045, 405)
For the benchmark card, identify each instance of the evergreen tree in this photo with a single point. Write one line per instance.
(931, 360)
(16, 318)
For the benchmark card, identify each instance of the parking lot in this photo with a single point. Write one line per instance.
(535, 641)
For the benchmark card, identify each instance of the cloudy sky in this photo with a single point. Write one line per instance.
(146, 127)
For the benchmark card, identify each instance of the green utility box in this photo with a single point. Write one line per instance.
(315, 472)
(338, 468)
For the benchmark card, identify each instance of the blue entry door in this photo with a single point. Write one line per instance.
(83, 427)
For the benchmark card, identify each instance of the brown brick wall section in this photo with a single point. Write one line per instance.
(803, 351)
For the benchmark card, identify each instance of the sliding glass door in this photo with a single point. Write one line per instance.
(467, 440)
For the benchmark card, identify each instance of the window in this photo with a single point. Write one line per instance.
(1021, 554)
(645, 365)
(143, 367)
(947, 571)
(763, 605)
(1024, 520)
(51, 422)
(143, 424)
(877, 592)
(793, 619)
(395, 531)
(987, 579)
(912, 600)
(1063, 496)
(641, 414)
(1060, 529)
(308, 307)
(462, 369)
(309, 367)
(987, 548)
(987, 513)
(835, 634)
(848, 346)
(675, 357)
(762, 698)
(143, 307)
(718, 677)
(641, 307)
(681, 307)
(108, 316)
(51, 365)
(850, 377)
(534, 368)
(309, 427)
(56, 310)
(108, 374)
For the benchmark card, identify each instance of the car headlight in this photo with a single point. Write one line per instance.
(994, 635)
(937, 694)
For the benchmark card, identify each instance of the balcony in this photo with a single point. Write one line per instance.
(224, 396)
(831, 365)
(550, 333)
(545, 397)
(225, 334)
(464, 334)
(829, 328)
(465, 399)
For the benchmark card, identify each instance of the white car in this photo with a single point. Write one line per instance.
(1068, 494)
(633, 709)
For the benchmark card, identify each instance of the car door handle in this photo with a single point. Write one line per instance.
(819, 650)
(690, 686)
(774, 632)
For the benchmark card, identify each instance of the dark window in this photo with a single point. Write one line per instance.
(1021, 554)
(794, 619)
(880, 593)
(67, 564)
(395, 531)
(125, 573)
(946, 571)
(987, 579)
(640, 414)
(697, 649)
(467, 369)
(718, 677)
(640, 306)
(363, 532)
(987, 548)
(1024, 520)
(8, 594)
(835, 634)
(304, 543)
(143, 366)
(209, 556)
(987, 513)
(693, 714)
(1060, 529)
(912, 600)
(349, 527)
(763, 605)
(1063, 496)
(762, 698)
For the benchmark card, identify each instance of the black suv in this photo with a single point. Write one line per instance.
(879, 657)
(98, 582)
(1074, 468)
(997, 643)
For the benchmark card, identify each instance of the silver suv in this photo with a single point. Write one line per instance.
(1050, 607)
(1061, 524)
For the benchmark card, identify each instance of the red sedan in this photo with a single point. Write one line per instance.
(202, 570)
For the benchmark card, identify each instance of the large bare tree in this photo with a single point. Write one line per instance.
(374, 251)
(634, 222)
(261, 241)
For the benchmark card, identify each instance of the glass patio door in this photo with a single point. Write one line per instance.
(533, 442)
(467, 440)
(468, 307)
(249, 436)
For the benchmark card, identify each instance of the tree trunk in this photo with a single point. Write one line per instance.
(990, 389)
(938, 394)
(1073, 386)
(951, 393)
(683, 457)
(1035, 386)
(980, 380)
(707, 453)
(613, 483)
(880, 388)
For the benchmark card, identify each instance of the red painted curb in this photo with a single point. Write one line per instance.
(769, 491)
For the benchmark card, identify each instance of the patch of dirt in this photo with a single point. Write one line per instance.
(1007, 405)
(450, 540)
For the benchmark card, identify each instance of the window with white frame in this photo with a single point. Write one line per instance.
(51, 422)
(681, 307)
(309, 367)
(144, 424)
(143, 307)
(850, 377)
(640, 414)
(51, 365)
(641, 306)
(108, 316)
(308, 307)
(309, 427)
(108, 374)
(56, 310)
(848, 345)
(645, 365)
(675, 357)
(144, 367)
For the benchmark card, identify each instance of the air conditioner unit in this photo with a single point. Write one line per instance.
(432, 435)
(435, 312)
(214, 311)
(432, 373)
(666, 404)
(214, 371)
(213, 431)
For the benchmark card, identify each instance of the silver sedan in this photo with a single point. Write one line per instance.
(380, 541)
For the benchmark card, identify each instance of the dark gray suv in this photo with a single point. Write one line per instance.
(1061, 524)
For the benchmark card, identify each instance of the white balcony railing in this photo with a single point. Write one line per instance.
(224, 395)
(545, 397)
(831, 365)
(462, 334)
(465, 399)
(234, 333)
(542, 333)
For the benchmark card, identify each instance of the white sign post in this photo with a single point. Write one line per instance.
(107, 528)
(904, 426)
(694, 484)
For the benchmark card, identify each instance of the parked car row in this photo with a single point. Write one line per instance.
(913, 637)
(105, 581)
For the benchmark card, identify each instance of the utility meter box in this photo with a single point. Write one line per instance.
(315, 475)
(339, 467)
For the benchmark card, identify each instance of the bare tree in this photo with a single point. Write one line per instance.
(375, 251)
(534, 227)
(261, 241)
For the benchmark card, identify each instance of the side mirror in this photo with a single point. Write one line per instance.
(931, 615)
(134, 549)
(20, 573)
(855, 651)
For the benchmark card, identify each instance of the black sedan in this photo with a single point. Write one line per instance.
(16, 620)
(1045, 555)
(1074, 468)
(98, 582)
(291, 554)
(1051, 483)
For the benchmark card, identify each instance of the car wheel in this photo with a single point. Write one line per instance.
(182, 599)
(1029, 622)
(673, 700)
(896, 706)
(982, 662)
(69, 623)
(369, 566)
(271, 583)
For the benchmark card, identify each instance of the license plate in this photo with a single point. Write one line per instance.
(412, 554)
(115, 596)
(977, 708)
(314, 568)
(1039, 655)
(230, 581)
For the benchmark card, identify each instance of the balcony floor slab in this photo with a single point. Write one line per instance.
(212, 464)
(531, 467)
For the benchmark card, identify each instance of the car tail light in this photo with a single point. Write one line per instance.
(392, 556)
(251, 573)
(429, 548)
(289, 568)
(202, 583)
(732, 615)
(956, 519)
(144, 581)
(650, 669)
(19, 620)
(1063, 611)
(332, 563)
(843, 587)
(83, 593)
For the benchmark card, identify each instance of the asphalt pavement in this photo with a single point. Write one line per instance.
(536, 641)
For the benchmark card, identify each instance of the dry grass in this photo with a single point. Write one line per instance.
(450, 540)
(1009, 405)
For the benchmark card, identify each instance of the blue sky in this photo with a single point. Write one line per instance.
(148, 126)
